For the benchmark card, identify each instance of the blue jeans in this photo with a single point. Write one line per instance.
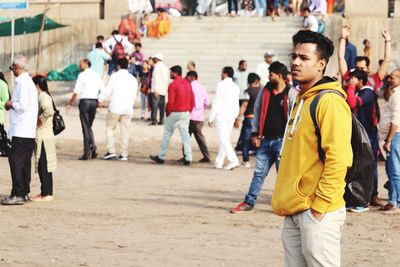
(393, 171)
(261, 7)
(246, 138)
(267, 154)
(143, 99)
(178, 120)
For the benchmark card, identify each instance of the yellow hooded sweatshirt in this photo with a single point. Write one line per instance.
(304, 181)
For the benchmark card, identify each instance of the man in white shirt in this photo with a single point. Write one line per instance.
(392, 145)
(159, 87)
(310, 22)
(263, 67)
(240, 77)
(23, 108)
(225, 108)
(109, 46)
(122, 87)
(88, 86)
(319, 6)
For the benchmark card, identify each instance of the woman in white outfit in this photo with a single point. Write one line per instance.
(225, 109)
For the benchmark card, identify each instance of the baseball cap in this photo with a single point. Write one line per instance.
(269, 53)
(158, 56)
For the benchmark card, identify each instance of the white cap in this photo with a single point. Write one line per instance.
(158, 56)
(269, 53)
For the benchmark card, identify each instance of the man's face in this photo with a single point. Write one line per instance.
(268, 59)
(362, 65)
(243, 66)
(189, 79)
(223, 75)
(394, 79)
(138, 48)
(273, 78)
(172, 75)
(305, 63)
(82, 65)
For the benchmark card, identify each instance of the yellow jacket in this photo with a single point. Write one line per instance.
(304, 181)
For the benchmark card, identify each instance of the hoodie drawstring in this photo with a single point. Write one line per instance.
(296, 118)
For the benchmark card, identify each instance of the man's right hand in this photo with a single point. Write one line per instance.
(156, 95)
(68, 108)
(346, 31)
(255, 140)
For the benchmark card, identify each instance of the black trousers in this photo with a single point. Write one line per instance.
(195, 128)
(87, 113)
(20, 165)
(46, 177)
(235, 4)
(158, 103)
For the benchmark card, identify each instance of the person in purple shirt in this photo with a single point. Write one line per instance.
(201, 101)
(137, 59)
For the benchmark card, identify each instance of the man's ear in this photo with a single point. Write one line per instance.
(322, 65)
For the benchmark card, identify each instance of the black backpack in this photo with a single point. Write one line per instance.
(360, 176)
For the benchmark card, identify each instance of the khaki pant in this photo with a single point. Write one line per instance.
(308, 242)
(111, 124)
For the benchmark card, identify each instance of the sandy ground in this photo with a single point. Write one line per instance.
(136, 213)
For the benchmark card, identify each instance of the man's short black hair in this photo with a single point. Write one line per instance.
(138, 44)
(279, 68)
(114, 32)
(87, 61)
(192, 74)
(306, 9)
(100, 37)
(360, 75)
(176, 69)
(324, 44)
(253, 77)
(228, 71)
(362, 58)
(123, 63)
(241, 62)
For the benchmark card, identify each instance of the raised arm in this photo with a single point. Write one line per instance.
(387, 54)
(342, 50)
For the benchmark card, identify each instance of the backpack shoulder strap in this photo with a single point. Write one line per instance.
(313, 109)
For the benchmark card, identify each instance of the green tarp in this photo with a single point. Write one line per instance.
(28, 25)
(70, 73)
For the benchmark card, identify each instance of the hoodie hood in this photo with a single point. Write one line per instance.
(323, 84)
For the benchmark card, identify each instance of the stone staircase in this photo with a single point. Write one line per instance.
(215, 42)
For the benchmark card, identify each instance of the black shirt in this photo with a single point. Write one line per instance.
(275, 121)
(250, 95)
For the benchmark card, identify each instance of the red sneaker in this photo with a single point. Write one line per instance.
(242, 207)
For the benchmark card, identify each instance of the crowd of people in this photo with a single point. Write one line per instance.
(271, 105)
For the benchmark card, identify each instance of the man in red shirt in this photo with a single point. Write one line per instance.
(180, 104)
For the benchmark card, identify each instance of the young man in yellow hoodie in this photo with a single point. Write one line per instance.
(309, 192)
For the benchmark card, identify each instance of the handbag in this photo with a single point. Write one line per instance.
(58, 121)
(5, 143)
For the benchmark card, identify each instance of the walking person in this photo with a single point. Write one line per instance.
(159, 86)
(225, 109)
(267, 127)
(23, 108)
(118, 47)
(145, 79)
(122, 87)
(247, 110)
(392, 146)
(88, 86)
(180, 103)
(201, 102)
(45, 146)
(309, 192)
(263, 68)
(98, 57)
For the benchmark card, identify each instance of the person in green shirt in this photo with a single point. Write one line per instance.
(4, 97)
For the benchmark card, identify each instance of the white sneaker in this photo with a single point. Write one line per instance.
(109, 156)
(123, 158)
(218, 166)
(231, 166)
(246, 164)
